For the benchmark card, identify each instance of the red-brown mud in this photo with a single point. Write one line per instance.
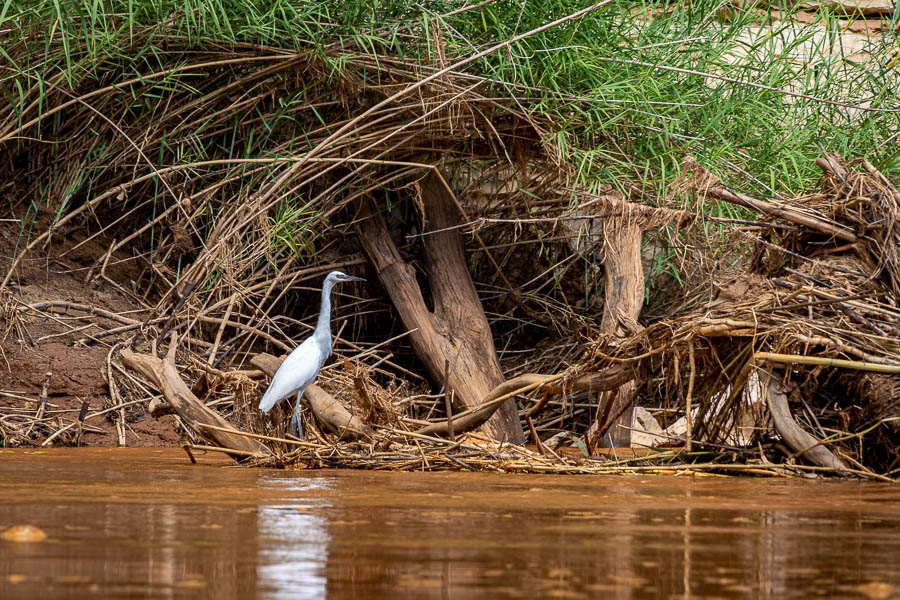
(38, 343)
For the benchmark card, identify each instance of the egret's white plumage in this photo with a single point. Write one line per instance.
(297, 371)
(302, 365)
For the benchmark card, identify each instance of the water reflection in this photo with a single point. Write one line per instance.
(293, 541)
(146, 524)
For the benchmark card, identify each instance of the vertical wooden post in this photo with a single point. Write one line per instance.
(624, 286)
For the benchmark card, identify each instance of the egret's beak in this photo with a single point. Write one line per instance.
(352, 278)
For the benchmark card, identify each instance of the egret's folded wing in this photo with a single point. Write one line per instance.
(297, 371)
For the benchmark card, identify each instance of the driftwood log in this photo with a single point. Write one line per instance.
(549, 384)
(457, 329)
(327, 410)
(806, 446)
(794, 216)
(164, 375)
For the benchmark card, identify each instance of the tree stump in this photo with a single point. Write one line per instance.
(457, 329)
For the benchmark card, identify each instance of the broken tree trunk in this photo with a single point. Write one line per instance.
(607, 380)
(624, 297)
(457, 330)
(806, 446)
(164, 375)
(324, 406)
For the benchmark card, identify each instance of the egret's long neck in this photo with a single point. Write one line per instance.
(323, 325)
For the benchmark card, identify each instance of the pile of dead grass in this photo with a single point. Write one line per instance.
(817, 312)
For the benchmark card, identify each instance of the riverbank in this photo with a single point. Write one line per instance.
(672, 229)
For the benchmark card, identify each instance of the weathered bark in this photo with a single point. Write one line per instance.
(806, 446)
(608, 380)
(164, 375)
(158, 407)
(324, 406)
(457, 330)
(624, 284)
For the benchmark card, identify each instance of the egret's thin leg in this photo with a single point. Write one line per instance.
(297, 419)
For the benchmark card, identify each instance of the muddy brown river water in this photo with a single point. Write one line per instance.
(145, 523)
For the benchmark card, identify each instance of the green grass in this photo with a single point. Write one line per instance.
(600, 79)
(621, 95)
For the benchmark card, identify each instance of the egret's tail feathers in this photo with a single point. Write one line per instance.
(268, 401)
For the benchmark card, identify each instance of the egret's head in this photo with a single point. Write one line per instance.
(338, 277)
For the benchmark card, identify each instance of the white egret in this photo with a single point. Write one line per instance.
(302, 365)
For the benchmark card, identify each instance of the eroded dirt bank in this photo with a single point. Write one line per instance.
(46, 332)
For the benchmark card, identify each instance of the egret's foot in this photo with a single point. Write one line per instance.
(297, 424)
